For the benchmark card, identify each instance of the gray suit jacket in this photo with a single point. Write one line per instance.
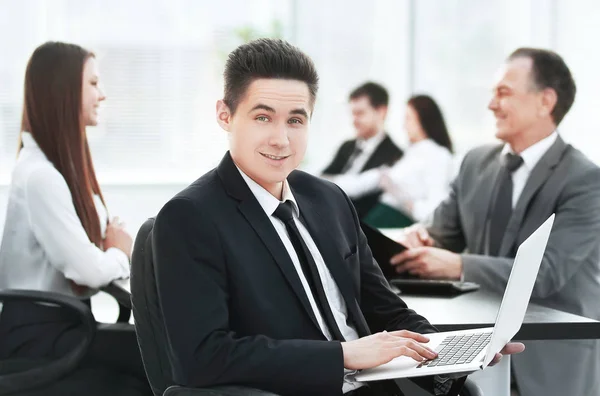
(564, 182)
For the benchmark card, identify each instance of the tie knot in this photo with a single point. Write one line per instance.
(512, 162)
(284, 211)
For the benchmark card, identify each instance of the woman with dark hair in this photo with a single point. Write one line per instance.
(419, 181)
(57, 235)
(424, 120)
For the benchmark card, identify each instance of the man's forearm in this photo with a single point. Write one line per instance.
(491, 273)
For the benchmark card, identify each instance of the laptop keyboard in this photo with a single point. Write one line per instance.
(459, 349)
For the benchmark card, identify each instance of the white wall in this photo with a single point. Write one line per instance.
(449, 49)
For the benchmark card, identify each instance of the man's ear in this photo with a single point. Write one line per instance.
(549, 99)
(224, 115)
(382, 110)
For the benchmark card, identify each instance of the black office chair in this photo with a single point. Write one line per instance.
(470, 388)
(150, 330)
(62, 376)
(151, 333)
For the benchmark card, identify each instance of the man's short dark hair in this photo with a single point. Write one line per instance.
(266, 58)
(549, 70)
(377, 94)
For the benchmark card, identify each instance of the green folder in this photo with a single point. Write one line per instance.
(384, 216)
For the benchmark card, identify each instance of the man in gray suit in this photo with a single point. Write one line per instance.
(501, 195)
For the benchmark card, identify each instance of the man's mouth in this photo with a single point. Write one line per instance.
(275, 157)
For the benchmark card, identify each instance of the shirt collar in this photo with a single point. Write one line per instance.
(532, 154)
(267, 201)
(371, 143)
(29, 141)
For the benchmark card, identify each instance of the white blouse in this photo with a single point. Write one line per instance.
(44, 246)
(422, 176)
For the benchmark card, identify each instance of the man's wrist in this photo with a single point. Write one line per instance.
(460, 275)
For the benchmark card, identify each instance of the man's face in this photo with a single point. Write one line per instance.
(268, 132)
(517, 105)
(366, 118)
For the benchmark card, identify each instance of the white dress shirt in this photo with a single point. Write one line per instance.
(367, 147)
(338, 306)
(531, 156)
(44, 246)
(422, 176)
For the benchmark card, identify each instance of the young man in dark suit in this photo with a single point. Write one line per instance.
(371, 148)
(264, 276)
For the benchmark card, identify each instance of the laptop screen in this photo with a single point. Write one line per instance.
(519, 287)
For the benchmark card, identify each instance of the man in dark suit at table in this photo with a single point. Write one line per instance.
(502, 194)
(371, 148)
(264, 276)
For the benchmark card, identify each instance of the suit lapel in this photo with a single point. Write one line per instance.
(540, 173)
(348, 149)
(260, 222)
(313, 219)
(487, 182)
(379, 156)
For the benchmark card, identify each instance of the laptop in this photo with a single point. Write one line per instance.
(472, 350)
(384, 248)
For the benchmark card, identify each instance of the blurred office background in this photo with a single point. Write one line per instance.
(161, 63)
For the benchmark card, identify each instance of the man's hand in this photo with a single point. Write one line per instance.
(511, 348)
(429, 262)
(380, 348)
(416, 236)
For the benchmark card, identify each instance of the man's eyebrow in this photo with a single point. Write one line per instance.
(299, 112)
(263, 107)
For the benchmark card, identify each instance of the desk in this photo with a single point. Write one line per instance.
(479, 309)
(466, 311)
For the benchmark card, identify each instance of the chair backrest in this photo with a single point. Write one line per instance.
(151, 334)
(150, 330)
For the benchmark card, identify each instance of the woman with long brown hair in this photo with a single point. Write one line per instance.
(57, 235)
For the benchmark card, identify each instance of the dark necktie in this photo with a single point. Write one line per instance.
(285, 213)
(502, 209)
(357, 151)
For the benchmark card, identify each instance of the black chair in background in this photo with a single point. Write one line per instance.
(152, 336)
(65, 375)
(470, 388)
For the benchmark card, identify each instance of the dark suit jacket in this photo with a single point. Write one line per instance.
(234, 308)
(387, 153)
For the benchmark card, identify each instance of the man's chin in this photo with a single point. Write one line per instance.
(277, 176)
(502, 134)
(281, 176)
